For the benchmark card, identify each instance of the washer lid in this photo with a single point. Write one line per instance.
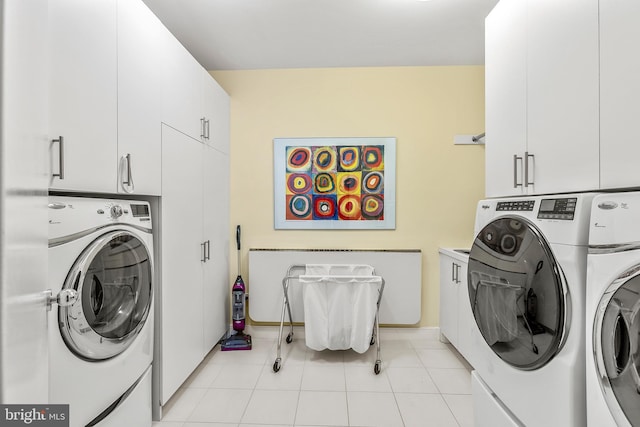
(615, 338)
(113, 279)
(517, 292)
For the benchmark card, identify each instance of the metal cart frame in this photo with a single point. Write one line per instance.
(286, 308)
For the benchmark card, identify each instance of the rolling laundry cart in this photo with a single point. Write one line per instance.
(341, 307)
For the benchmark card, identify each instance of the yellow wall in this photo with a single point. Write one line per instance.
(437, 184)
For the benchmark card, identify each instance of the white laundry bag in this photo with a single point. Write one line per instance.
(339, 306)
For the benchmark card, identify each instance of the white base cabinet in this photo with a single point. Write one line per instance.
(456, 320)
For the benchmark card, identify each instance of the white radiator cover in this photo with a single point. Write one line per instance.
(401, 270)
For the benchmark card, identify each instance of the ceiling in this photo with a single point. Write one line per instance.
(259, 34)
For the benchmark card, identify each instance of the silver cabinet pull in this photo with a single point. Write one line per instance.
(208, 129)
(204, 252)
(515, 170)
(65, 298)
(60, 142)
(208, 250)
(526, 168)
(202, 133)
(455, 272)
(127, 184)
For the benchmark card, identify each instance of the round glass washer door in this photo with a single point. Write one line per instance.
(113, 280)
(615, 338)
(518, 293)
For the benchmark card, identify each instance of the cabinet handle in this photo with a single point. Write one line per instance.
(202, 121)
(204, 252)
(515, 170)
(208, 248)
(60, 142)
(207, 129)
(455, 273)
(526, 169)
(127, 185)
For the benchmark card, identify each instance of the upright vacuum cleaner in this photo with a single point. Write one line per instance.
(239, 340)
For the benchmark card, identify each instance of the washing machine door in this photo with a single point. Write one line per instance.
(615, 338)
(517, 293)
(113, 280)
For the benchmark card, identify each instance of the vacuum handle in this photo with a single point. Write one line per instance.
(238, 237)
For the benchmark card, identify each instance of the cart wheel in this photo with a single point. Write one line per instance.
(276, 366)
(289, 338)
(376, 367)
(373, 341)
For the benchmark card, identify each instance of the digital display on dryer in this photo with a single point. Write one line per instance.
(557, 208)
(140, 210)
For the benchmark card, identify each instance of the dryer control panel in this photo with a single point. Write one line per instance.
(564, 208)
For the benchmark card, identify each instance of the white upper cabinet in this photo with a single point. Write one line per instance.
(619, 93)
(542, 97)
(83, 95)
(216, 113)
(562, 95)
(140, 61)
(105, 79)
(182, 90)
(506, 98)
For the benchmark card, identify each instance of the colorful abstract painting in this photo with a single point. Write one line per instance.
(342, 183)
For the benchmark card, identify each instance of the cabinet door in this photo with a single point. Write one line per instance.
(619, 92)
(449, 285)
(562, 95)
(182, 89)
(83, 94)
(465, 319)
(217, 114)
(140, 61)
(506, 98)
(181, 345)
(23, 191)
(216, 286)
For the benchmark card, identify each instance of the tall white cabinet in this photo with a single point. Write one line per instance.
(542, 97)
(24, 365)
(194, 290)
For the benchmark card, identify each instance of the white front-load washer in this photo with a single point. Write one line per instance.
(526, 279)
(613, 311)
(101, 331)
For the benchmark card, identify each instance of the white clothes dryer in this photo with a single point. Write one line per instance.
(101, 333)
(526, 278)
(613, 311)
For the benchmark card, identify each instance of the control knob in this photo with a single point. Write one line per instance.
(116, 211)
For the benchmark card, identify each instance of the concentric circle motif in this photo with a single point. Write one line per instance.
(372, 183)
(349, 208)
(349, 182)
(299, 207)
(349, 158)
(372, 157)
(373, 207)
(324, 183)
(324, 207)
(298, 159)
(324, 159)
(299, 183)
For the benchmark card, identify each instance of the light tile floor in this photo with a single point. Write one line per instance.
(423, 383)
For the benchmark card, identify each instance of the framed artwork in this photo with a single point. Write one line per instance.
(334, 183)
